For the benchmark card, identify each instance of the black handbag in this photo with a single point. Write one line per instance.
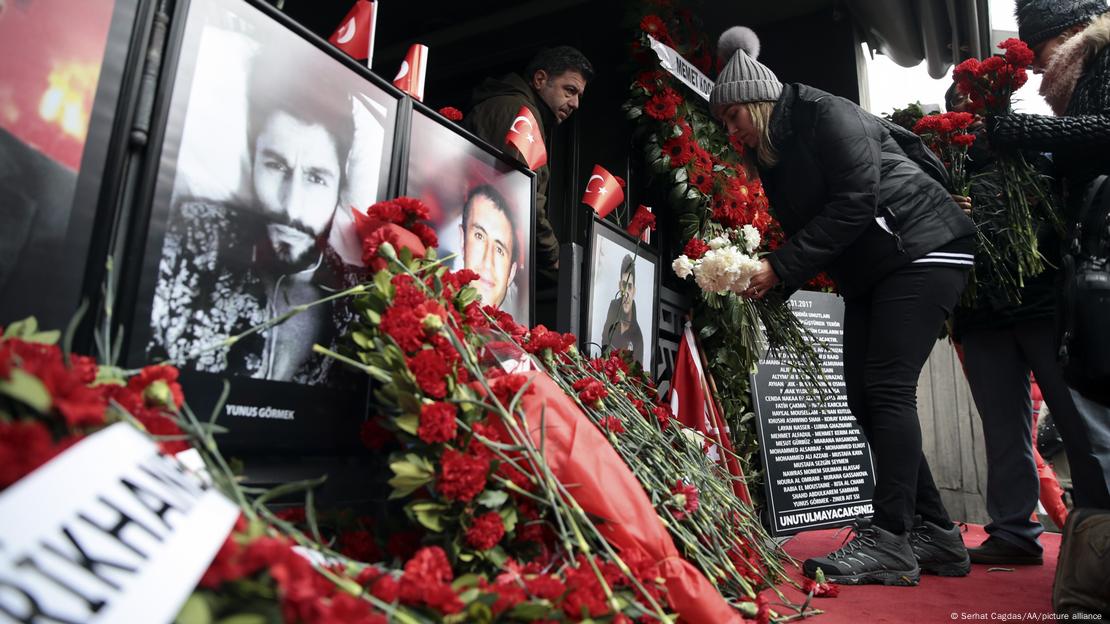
(1085, 304)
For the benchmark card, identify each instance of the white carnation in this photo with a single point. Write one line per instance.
(718, 269)
(746, 268)
(718, 242)
(682, 266)
(751, 238)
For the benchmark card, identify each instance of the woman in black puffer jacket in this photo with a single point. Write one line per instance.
(854, 200)
(1071, 44)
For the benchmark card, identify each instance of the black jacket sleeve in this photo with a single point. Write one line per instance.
(1050, 134)
(849, 154)
(1087, 129)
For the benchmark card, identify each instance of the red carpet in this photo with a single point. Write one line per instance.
(1025, 593)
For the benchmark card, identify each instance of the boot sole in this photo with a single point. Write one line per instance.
(905, 578)
(1007, 560)
(957, 568)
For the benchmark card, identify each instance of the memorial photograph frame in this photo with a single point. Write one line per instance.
(65, 165)
(452, 170)
(244, 213)
(609, 248)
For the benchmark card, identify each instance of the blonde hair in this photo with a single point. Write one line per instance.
(760, 113)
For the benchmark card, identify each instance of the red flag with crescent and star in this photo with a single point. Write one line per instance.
(523, 136)
(355, 34)
(603, 192)
(410, 78)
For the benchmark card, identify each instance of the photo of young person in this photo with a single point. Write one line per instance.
(621, 310)
(481, 207)
(255, 191)
(621, 329)
(488, 243)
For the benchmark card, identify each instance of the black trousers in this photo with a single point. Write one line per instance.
(997, 361)
(888, 335)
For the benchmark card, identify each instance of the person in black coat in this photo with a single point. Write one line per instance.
(854, 200)
(1071, 45)
(1003, 341)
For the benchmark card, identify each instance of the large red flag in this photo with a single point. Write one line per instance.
(693, 405)
(410, 78)
(355, 35)
(578, 453)
(603, 192)
(522, 135)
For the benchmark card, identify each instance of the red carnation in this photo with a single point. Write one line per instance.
(695, 248)
(462, 476)
(612, 423)
(486, 531)
(442, 598)
(644, 219)
(820, 590)
(452, 113)
(401, 324)
(685, 497)
(428, 566)
(506, 387)
(437, 423)
(963, 140)
(541, 338)
(158, 386)
(590, 391)
(26, 445)
(663, 415)
(459, 279)
(545, 586)
(387, 211)
(386, 589)
(431, 372)
(426, 234)
(359, 545)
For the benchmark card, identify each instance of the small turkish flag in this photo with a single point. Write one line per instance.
(603, 192)
(523, 135)
(355, 35)
(410, 78)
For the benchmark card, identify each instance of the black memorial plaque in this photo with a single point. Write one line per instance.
(819, 471)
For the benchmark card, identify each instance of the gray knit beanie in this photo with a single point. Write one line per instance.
(1041, 20)
(743, 79)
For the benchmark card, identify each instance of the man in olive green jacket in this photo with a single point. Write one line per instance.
(551, 88)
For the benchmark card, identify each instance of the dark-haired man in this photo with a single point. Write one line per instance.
(229, 266)
(551, 87)
(622, 330)
(489, 243)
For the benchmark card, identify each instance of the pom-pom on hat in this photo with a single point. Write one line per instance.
(1040, 20)
(743, 79)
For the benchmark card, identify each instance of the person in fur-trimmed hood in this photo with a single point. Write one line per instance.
(1071, 45)
(1069, 41)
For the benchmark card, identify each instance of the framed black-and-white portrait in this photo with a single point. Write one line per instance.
(482, 206)
(621, 310)
(65, 70)
(270, 138)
